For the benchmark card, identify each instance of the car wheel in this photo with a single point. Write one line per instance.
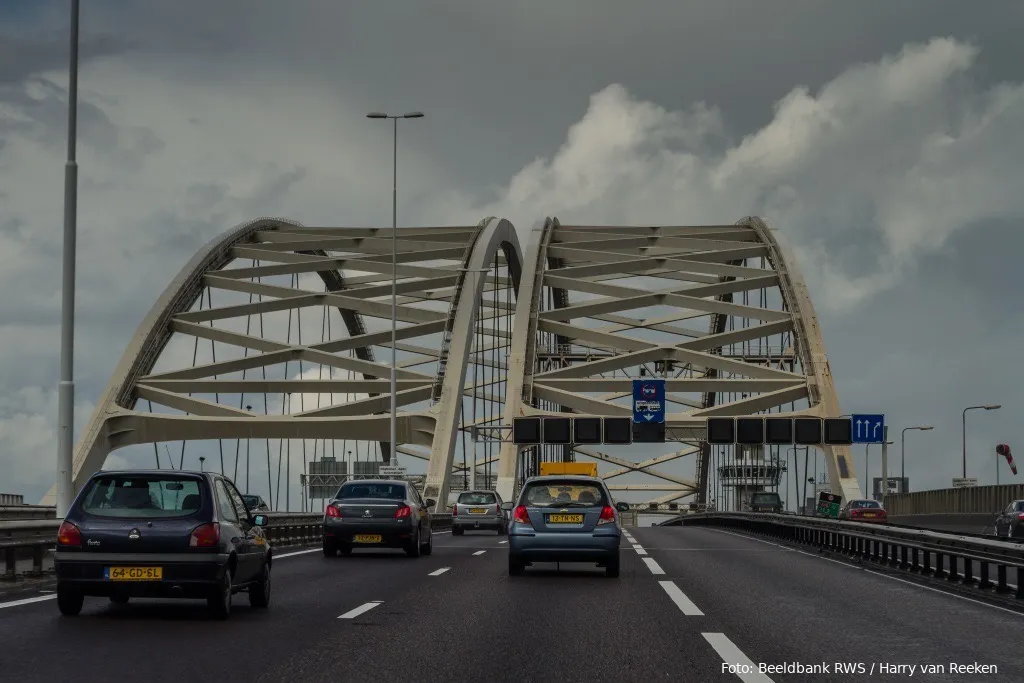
(413, 549)
(457, 531)
(502, 530)
(611, 567)
(428, 549)
(259, 593)
(345, 550)
(220, 601)
(330, 548)
(515, 566)
(69, 601)
(119, 599)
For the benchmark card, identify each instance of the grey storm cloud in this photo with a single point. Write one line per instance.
(882, 142)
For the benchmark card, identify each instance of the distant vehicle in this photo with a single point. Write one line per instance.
(765, 501)
(255, 503)
(1010, 522)
(161, 534)
(863, 510)
(478, 510)
(378, 513)
(585, 469)
(563, 519)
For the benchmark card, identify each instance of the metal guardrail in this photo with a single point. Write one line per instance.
(19, 512)
(904, 548)
(37, 536)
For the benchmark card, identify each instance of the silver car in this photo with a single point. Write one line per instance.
(476, 510)
(564, 519)
(378, 513)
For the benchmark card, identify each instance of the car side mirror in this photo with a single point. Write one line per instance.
(506, 506)
(622, 507)
(431, 502)
(260, 520)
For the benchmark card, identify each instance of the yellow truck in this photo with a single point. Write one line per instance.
(587, 469)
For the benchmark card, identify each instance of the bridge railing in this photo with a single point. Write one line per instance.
(35, 537)
(925, 552)
(987, 500)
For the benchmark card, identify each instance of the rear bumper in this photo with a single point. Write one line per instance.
(564, 547)
(478, 522)
(392, 534)
(183, 576)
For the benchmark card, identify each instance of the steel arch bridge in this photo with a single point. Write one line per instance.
(484, 333)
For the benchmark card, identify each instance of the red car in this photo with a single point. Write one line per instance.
(863, 510)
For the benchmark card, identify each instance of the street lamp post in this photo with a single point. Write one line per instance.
(66, 388)
(394, 276)
(903, 447)
(964, 415)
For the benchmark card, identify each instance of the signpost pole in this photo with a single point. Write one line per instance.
(885, 463)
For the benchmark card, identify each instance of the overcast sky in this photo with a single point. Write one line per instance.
(882, 139)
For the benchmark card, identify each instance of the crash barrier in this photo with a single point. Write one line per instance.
(969, 561)
(37, 536)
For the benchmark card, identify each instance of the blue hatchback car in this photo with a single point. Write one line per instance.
(559, 518)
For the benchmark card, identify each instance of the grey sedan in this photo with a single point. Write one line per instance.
(378, 513)
(478, 510)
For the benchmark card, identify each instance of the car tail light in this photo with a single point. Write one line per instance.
(521, 516)
(69, 535)
(333, 511)
(455, 510)
(403, 512)
(607, 515)
(1020, 515)
(205, 536)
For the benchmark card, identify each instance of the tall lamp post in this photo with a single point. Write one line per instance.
(394, 276)
(66, 388)
(988, 407)
(903, 448)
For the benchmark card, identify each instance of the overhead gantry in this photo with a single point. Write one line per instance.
(720, 312)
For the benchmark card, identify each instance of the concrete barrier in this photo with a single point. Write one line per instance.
(967, 523)
(986, 500)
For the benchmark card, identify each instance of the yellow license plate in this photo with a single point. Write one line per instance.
(565, 519)
(367, 538)
(134, 573)
(869, 514)
(477, 511)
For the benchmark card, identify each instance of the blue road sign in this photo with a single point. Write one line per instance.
(868, 428)
(649, 400)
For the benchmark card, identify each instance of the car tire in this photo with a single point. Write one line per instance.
(502, 530)
(413, 549)
(330, 548)
(69, 601)
(119, 599)
(516, 567)
(428, 548)
(611, 567)
(457, 531)
(345, 549)
(219, 602)
(259, 593)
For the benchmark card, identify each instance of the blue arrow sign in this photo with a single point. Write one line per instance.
(868, 428)
(649, 400)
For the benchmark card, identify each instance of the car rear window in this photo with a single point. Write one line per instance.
(146, 496)
(865, 504)
(477, 499)
(765, 499)
(562, 493)
(384, 491)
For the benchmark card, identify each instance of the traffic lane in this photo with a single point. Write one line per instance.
(779, 605)
(309, 593)
(547, 625)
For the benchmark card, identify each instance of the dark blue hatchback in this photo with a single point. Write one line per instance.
(161, 534)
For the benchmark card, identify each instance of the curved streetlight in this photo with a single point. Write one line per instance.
(903, 447)
(985, 407)
(394, 276)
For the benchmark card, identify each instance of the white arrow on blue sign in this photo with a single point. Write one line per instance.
(868, 428)
(649, 401)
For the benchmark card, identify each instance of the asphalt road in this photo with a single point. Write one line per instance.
(688, 600)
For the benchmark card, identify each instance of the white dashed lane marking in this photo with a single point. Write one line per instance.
(362, 609)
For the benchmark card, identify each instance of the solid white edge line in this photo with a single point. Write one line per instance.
(438, 572)
(26, 601)
(652, 565)
(294, 553)
(876, 573)
(679, 597)
(362, 609)
(731, 654)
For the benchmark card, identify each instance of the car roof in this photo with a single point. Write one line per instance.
(478, 491)
(143, 473)
(379, 481)
(564, 477)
